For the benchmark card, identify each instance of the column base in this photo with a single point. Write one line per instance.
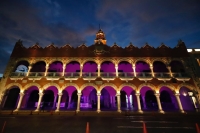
(16, 110)
(77, 111)
(57, 110)
(140, 111)
(37, 110)
(182, 111)
(98, 111)
(119, 110)
(161, 111)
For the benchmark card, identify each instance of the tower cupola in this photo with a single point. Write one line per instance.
(100, 37)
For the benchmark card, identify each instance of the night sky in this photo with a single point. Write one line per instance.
(76, 21)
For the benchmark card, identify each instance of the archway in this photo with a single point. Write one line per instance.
(22, 66)
(50, 97)
(12, 97)
(88, 98)
(177, 67)
(125, 68)
(142, 68)
(128, 99)
(108, 100)
(186, 100)
(38, 67)
(70, 98)
(148, 99)
(30, 98)
(168, 100)
(55, 67)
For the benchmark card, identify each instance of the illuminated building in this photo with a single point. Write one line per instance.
(99, 78)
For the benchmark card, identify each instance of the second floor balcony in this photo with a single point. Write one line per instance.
(144, 76)
(54, 75)
(181, 76)
(125, 76)
(35, 75)
(164, 76)
(71, 75)
(89, 75)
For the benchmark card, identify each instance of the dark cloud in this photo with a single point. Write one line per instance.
(76, 22)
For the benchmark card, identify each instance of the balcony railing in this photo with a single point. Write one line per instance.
(89, 75)
(104, 75)
(162, 75)
(181, 76)
(108, 75)
(36, 74)
(54, 74)
(18, 74)
(144, 75)
(71, 75)
(126, 75)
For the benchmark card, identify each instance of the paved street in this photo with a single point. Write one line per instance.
(108, 123)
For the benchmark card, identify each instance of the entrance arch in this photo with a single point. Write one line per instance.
(108, 100)
(168, 99)
(70, 97)
(88, 99)
(11, 98)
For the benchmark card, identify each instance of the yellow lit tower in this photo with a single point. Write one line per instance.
(100, 37)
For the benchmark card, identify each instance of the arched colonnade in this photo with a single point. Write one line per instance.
(145, 97)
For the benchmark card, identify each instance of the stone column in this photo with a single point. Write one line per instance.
(170, 72)
(138, 102)
(54, 102)
(158, 101)
(39, 101)
(179, 102)
(98, 102)
(59, 99)
(129, 103)
(69, 101)
(81, 70)
(21, 95)
(63, 72)
(78, 102)
(116, 69)
(144, 102)
(29, 69)
(47, 67)
(118, 103)
(99, 70)
(134, 70)
(152, 73)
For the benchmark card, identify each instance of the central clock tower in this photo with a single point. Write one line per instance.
(100, 37)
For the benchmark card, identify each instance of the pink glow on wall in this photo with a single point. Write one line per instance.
(128, 90)
(110, 90)
(125, 67)
(144, 90)
(70, 90)
(108, 66)
(159, 67)
(86, 91)
(142, 67)
(90, 67)
(56, 66)
(72, 67)
(54, 89)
